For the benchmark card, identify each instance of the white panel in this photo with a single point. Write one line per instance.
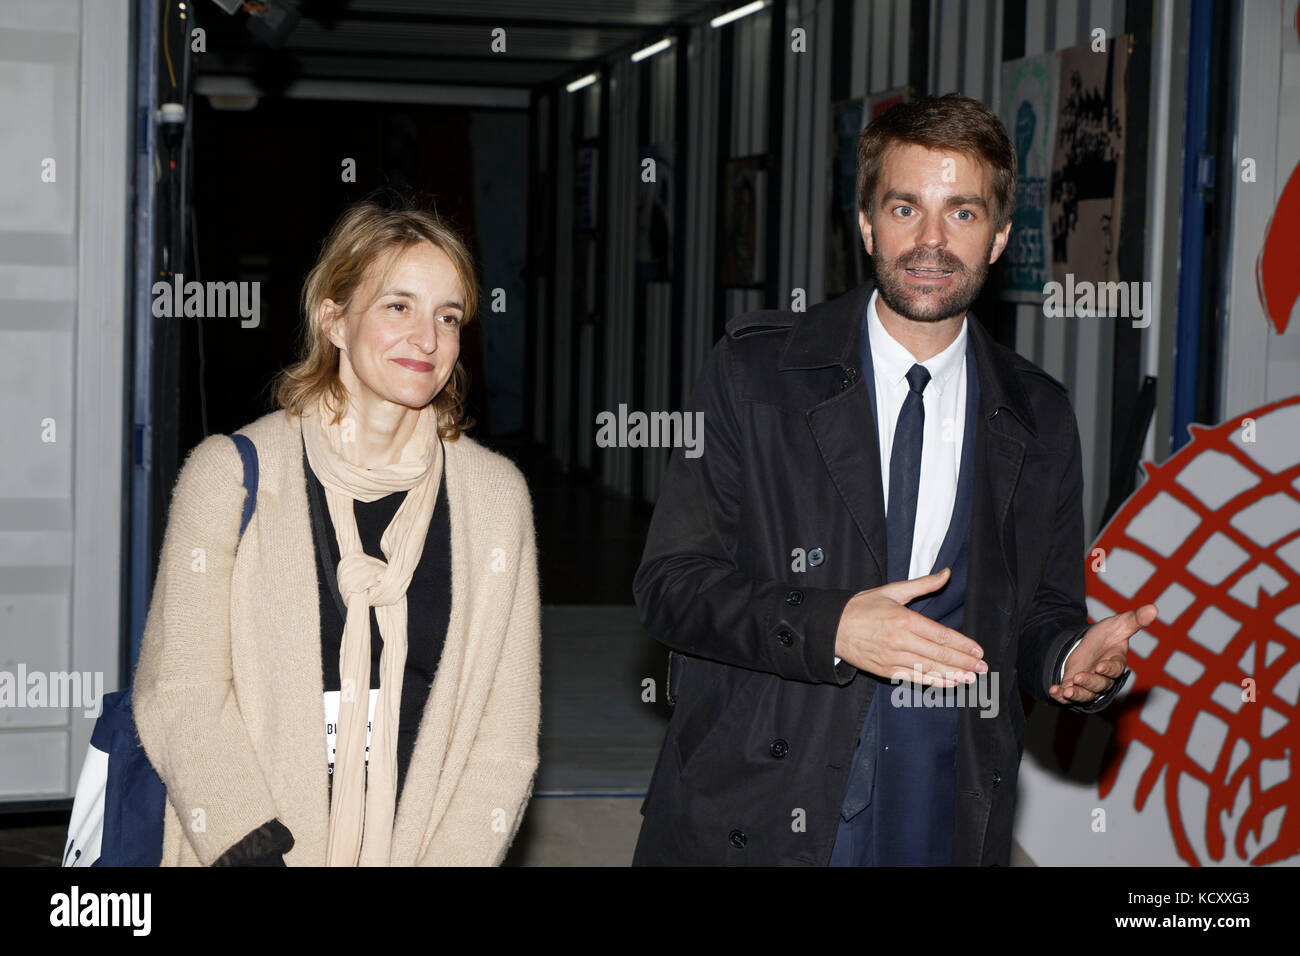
(1067, 24)
(882, 43)
(760, 75)
(1036, 38)
(815, 183)
(103, 233)
(1102, 13)
(31, 622)
(945, 23)
(860, 63)
(704, 184)
(742, 91)
(979, 51)
(798, 171)
(35, 764)
(1053, 340)
(1261, 365)
(790, 123)
(995, 53)
(63, 227)
(562, 399)
(902, 26)
(36, 370)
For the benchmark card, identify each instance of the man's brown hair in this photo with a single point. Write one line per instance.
(951, 122)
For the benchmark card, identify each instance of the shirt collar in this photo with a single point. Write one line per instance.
(891, 358)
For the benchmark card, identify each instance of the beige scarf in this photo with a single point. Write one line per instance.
(361, 812)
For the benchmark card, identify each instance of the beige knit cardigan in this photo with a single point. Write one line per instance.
(228, 690)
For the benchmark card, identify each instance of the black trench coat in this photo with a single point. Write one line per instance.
(756, 757)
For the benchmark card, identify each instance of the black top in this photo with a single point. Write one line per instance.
(428, 602)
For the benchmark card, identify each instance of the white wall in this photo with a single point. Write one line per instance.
(64, 85)
(1259, 364)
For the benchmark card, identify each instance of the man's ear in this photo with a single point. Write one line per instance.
(999, 242)
(864, 226)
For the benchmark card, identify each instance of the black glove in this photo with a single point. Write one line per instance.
(265, 846)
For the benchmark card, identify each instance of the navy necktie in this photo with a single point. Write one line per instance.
(900, 523)
(905, 475)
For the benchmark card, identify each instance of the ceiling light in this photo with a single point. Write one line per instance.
(737, 13)
(576, 85)
(651, 50)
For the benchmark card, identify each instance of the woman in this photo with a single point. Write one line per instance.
(386, 550)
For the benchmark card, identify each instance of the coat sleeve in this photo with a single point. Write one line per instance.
(1058, 616)
(183, 697)
(690, 588)
(492, 794)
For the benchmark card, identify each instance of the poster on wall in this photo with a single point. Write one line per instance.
(845, 257)
(1087, 182)
(744, 186)
(847, 262)
(1028, 112)
(654, 216)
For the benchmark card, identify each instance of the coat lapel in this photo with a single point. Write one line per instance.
(844, 425)
(1000, 453)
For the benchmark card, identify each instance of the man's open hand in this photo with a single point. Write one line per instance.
(879, 634)
(1093, 667)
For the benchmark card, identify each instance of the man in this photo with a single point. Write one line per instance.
(811, 625)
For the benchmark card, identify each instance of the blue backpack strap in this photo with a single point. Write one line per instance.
(248, 452)
(135, 798)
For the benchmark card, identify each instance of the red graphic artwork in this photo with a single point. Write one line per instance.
(1213, 538)
(1276, 277)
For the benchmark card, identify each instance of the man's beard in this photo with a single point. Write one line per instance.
(931, 303)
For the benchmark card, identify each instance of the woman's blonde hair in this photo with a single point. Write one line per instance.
(365, 234)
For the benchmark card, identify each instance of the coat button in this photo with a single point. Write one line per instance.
(737, 839)
(816, 557)
(794, 598)
(779, 748)
(785, 637)
(997, 779)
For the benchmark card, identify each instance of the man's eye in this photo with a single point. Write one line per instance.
(966, 212)
(900, 209)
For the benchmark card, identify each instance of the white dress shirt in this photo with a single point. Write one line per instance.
(944, 401)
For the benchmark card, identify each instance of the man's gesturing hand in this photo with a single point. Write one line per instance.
(1093, 667)
(879, 634)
